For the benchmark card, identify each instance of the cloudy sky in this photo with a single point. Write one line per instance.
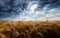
(29, 10)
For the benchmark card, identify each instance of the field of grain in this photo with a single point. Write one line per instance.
(29, 29)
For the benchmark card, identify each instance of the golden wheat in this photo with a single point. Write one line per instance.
(29, 29)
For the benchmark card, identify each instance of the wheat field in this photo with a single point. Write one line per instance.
(29, 29)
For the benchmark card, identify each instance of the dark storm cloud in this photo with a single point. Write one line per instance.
(52, 3)
(11, 8)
